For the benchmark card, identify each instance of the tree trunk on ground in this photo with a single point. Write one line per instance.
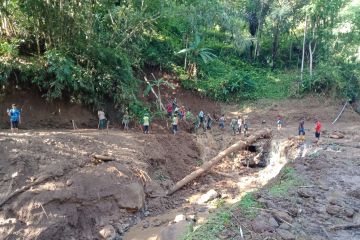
(207, 165)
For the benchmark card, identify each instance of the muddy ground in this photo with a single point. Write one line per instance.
(71, 195)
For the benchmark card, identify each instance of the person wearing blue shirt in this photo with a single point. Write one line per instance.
(15, 119)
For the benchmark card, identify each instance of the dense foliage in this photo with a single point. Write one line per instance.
(88, 51)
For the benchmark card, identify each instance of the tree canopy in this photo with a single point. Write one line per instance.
(95, 51)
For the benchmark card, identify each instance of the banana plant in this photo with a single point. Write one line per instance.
(194, 51)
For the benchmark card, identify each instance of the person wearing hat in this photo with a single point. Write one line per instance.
(15, 118)
(146, 123)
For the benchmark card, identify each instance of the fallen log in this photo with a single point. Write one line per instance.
(103, 158)
(207, 165)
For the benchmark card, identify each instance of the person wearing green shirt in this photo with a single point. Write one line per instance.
(175, 121)
(146, 123)
(188, 116)
(234, 125)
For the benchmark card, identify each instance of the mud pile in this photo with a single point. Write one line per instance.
(73, 198)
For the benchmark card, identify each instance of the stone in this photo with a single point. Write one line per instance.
(281, 216)
(273, 223)
(174, 231)
(304, 193)
(146, 225)
(266, 203)
(122, 228)
(210, 195)
(69, 182)
(108, 232)
(349, 212)
(294, 211)
(285, 234)
(226, 234)
(202, 209)
(337, 135)
(179, 218)
(333, 210)
(156, 223)
(261, 226)
(146, 213)
(284, 226)
(153, 189)
(354, 193)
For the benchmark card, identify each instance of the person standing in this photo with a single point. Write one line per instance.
(125, 120)
(302, 129)
(239, 123)
(175, 122)
(222, 122)
(102, 119)
(317, 130)
(174, 104)
(169, 109)
(146, 123)
(201, 118)
(208, 121)
(15, 117)
(245, 125)
(182, 112)
(234, 125)
(279, 122)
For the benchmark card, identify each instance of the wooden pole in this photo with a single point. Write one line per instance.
(342, 110)
(240, 145)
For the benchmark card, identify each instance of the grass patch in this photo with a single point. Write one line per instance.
(216, 223)
(248, 206)
(288, 180)
(220, 220)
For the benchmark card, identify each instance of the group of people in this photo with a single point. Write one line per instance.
(176, 113)
(301, 129)
(237, 125)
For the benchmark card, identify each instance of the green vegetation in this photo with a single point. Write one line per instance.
(220, 220)
(96, 52)
(287, 181)
(247, 206)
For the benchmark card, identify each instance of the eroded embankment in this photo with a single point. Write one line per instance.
(52, 188)
(316, 196)
(207, 196)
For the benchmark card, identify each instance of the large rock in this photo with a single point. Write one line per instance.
(210, 195)
(286, 235)
(281, 216)
(174, 231)
(132, 198)
(108, 232)
(153, 189)
(334, 210)
(261, 226)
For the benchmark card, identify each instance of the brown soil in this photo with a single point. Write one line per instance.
(81, 196)
(39, 114)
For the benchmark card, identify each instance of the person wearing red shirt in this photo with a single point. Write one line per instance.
(169, 109)
(317, 129)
